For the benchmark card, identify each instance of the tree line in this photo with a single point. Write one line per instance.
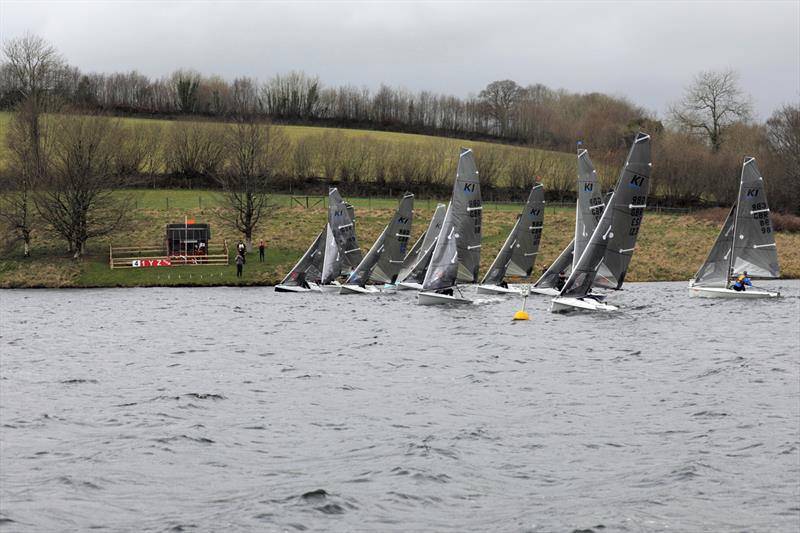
(68, 154)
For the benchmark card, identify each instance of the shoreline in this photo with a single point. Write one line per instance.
(272, 285)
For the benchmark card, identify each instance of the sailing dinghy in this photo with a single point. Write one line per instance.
(415, 265)
(746, 243)
(613, 239)
(456, 255)
(518, 253)
(305, 275)
(588, 209)
(382, 262)
(342, 253)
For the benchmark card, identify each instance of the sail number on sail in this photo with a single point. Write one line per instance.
(474, 210)
(403, 234)
(637, 210)
(760, 212)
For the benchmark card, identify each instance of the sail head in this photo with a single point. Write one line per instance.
(754, 248)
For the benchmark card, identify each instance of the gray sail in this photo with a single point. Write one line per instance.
(714, 272)
(396, 243)
(618, 226)
(442, 272)
(630, 200)
(343, 228)
(465, 211)
(589, 206)
(414, 270)
(382, 262)
(332, 262)
(346, 268)
(563, 263)
(411, 257)
(754, 247)
(309, 267)
(497, 270)
(518, 253)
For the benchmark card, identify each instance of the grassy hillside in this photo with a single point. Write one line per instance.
(370, 153)
(669, 248)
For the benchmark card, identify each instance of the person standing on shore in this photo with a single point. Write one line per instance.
(261, 251)
(239, 264)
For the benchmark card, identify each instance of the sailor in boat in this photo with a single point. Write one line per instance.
(562, 280)
(741, 281)
(504, 284)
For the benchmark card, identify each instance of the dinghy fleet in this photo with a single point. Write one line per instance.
(447, 255)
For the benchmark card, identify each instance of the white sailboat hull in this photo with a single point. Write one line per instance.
(358, 289)
(721, 292)
(498, 290)
(564, 304)
(333, 288)
(547, 291)
(409, 286)
(434, 298)
(312, 287)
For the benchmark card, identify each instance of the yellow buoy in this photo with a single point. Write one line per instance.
(523, 315)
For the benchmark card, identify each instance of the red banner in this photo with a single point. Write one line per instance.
(136, 263)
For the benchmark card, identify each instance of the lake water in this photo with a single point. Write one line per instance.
(226, 409)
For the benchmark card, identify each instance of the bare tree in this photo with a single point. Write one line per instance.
(500, 97)
(712, 102)
(186, 86)
(34, 67)
(254, 151)
(783, 133)
(194, 151)
(77, 198)
(16, 207)
(137, 149)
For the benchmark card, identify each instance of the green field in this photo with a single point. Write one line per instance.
(670, 247)
(369, 153)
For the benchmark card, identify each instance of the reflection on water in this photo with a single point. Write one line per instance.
(240, 408)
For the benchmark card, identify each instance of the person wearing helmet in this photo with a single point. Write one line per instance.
(741, 280)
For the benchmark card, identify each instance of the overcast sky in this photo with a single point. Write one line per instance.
(646, 51)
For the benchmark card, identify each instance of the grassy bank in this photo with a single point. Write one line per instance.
(670, 247)
(361, 155)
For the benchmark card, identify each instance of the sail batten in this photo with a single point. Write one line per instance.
(618, 226)
(342, 252)
(754, 238)
(517, 255)
(456, 255)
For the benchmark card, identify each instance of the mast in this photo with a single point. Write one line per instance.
(735, 223)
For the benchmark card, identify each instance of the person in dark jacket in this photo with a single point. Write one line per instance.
(239, 264)
(561, 281)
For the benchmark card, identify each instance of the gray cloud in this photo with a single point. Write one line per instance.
(646, 51)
